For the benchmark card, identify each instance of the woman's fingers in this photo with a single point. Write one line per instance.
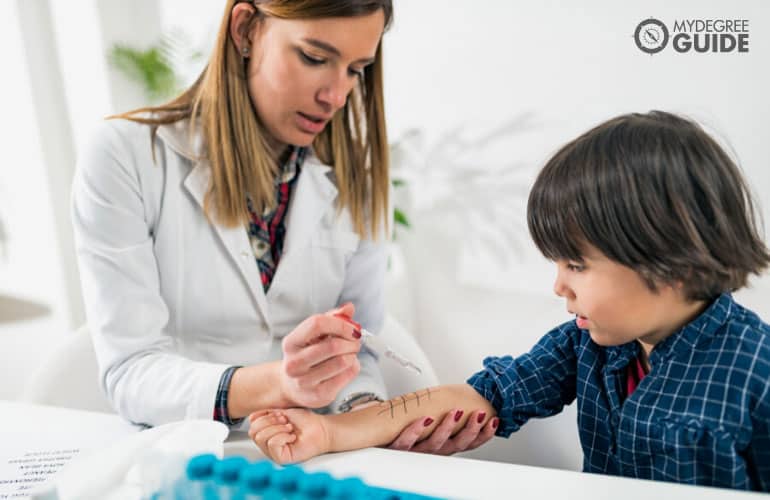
(441, 434)
(334, 385)
(317, 327)
(470, 431)
(411, 434)
(302, 362)
(320, 358)
(487, 433)
(327, 371)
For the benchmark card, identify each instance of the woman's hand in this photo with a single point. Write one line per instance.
(319, 359)
(441, 441)
(288, 436)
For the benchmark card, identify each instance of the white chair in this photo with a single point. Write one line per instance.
(69, 377)
(399, 380)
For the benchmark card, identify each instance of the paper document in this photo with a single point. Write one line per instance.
(36, 442)
(22, 468)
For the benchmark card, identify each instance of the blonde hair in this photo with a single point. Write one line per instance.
(354, 142)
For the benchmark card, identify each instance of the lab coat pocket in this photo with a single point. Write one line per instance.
(345, 241)
(332, 250)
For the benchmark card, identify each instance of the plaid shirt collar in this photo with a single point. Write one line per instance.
(700, 330)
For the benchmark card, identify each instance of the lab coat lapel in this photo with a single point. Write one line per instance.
(311, 199)
(235, 239)
(313, 196)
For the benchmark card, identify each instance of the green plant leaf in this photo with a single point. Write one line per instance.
(149, 68)
(400, 218)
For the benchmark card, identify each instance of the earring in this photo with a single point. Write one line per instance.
(245, 51)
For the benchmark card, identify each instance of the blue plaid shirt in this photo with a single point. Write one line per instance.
(701, 416)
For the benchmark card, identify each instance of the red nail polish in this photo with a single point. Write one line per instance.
(495, 422)
(458, 415)
(427, 422)
(481, 417)
(356, 334)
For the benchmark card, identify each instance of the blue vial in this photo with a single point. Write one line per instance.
(201, 466)
(226, 474)
(317, 485)
(350, 488)
(200, 475)
(287, 479)
(255, 479)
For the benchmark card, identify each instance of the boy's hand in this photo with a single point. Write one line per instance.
(288, 436)
(441, 441)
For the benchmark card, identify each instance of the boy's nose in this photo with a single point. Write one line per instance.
(561, 289)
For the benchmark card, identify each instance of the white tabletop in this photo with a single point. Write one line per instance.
(427, 474)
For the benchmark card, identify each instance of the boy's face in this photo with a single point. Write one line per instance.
(615, 304)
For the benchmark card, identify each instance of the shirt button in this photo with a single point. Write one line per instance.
(244, 254)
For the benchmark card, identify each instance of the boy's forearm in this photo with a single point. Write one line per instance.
(382, 423)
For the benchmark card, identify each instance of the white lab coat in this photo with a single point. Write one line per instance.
(172, 300)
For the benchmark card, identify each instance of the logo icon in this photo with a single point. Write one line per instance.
(651, 36)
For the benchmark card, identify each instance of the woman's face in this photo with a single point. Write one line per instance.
(300, 72)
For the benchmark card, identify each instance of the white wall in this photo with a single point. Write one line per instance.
(31, 268)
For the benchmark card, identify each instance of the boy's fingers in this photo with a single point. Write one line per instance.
(265, 421)
(253, 416)
(278, 446)
(264, 435)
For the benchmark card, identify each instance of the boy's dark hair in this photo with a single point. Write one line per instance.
(655, 193)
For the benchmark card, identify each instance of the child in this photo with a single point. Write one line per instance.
(651, 226)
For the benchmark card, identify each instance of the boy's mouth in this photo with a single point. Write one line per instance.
(582, 322)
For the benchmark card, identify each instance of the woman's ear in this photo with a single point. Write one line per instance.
(240, 26)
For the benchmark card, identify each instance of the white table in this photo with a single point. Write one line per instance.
(427, 474)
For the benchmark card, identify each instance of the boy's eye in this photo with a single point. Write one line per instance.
(575, 267)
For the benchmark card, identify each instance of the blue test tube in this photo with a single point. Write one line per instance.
(227, 472)
(350, 488)
(199, 478)
(255, 480)
(286, 479)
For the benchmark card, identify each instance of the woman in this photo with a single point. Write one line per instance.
(220, 235)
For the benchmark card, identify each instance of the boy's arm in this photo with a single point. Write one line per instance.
(295, 435)
(380, 424)
(535, 384)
